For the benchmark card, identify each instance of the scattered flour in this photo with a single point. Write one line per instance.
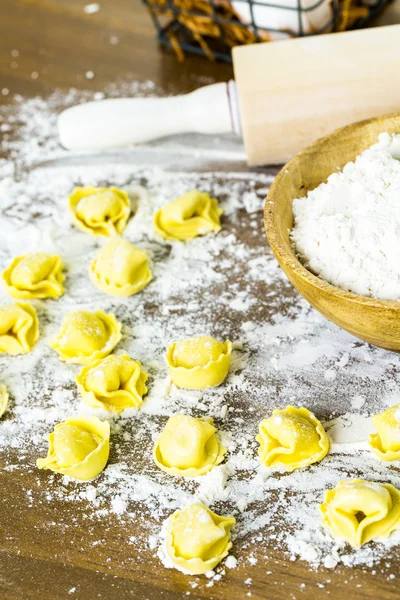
(347, 231)
(231, 562)
(90, 9)
(229, 286)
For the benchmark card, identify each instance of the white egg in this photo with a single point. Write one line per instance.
(275, 17)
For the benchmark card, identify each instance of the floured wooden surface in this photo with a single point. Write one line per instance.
(60, 532)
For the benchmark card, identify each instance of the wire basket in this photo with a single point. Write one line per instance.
(212, 27)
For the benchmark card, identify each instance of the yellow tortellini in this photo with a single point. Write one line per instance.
(198, 539)
(114, 383)
(35, 275)
(101, 211)
(19, 328)
(79, 447)
(292, 437)
(120, 269)
(386, 443)
(359, 511)
(188, 447)
(3, 400)
(85, 337)
(193, 214)
(199, 362)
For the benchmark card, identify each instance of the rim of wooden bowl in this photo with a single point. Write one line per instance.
(278, 247)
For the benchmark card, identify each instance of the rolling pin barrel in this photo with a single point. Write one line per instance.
(292, 92)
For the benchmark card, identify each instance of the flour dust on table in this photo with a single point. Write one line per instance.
(225, 285)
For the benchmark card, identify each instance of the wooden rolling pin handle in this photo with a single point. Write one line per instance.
(113, 123)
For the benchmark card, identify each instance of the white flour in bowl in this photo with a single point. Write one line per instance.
(347, 230)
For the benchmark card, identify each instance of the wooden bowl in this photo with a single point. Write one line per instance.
(375, 321)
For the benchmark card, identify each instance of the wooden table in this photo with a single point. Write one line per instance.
(48, 44)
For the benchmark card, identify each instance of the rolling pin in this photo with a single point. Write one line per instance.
(285, 95)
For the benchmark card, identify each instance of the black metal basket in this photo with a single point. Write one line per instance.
(169, 17)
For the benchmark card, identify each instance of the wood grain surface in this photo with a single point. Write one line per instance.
(57, 45)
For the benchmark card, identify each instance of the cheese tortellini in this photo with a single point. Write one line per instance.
(293, 438)
(359, 511)
(198, 539)
(79, 447)
(120, 269)
(34, 275)
(188, 447)
(85, 337)
(3, 400)
(19, 328)
(114, 383)
(199, 362)
(101, 211)
(386, 442)
(193, 214)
